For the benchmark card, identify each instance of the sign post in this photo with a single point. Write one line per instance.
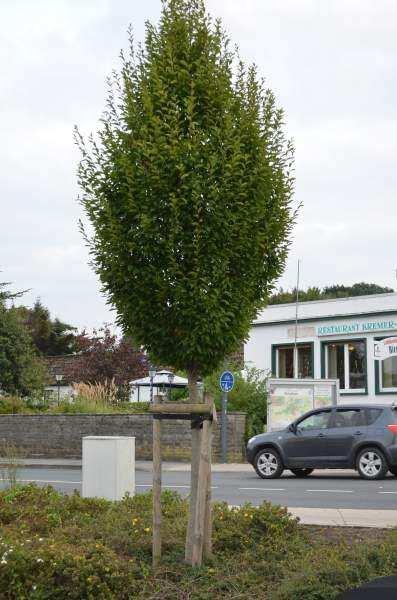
(226, 383)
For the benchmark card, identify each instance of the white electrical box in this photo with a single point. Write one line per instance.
(108, 467)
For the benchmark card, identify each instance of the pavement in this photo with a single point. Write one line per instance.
(327, 497)
(346, 517)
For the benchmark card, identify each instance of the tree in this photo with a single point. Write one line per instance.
(5, 294)
(188, 188)
(357, 289)
(327, 293)
(51, 337)
(21, 371)
(104, 357)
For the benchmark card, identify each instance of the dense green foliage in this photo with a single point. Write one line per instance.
(248, 395)
(50, 336)
(20, 369)
(188, 189)
(54, 547)
(36, 404)
(328, 292)
(6, 294)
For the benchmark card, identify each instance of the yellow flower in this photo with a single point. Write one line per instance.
(147, 529)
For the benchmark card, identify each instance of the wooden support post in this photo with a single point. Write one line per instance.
(202, 536)
(198, 530)
(194, 472)
(156, 489)
(207, 544)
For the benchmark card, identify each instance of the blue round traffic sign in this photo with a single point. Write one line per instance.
(226, 381)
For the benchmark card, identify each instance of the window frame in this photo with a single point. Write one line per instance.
(275, 361)
(324, 364)
(379, 390)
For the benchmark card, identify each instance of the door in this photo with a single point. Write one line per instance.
(307, 447)
(347, 427)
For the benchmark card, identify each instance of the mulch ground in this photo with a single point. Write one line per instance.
(348, 535)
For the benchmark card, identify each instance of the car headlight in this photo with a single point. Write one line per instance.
(252, 440)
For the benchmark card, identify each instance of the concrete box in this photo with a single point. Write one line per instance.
(108, 467)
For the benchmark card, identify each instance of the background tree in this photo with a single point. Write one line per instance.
(188, 189)
(6, 294)
(104, 357)
(21, 371)
(51, 337)
(328, 292)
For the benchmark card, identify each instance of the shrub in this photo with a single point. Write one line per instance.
(54, 546)
(248, 395)
(11, 405)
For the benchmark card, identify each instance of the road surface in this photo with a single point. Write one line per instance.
(319, 490)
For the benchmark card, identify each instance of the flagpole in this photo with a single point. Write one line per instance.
(295, 362)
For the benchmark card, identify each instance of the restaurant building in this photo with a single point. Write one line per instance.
(335, 339)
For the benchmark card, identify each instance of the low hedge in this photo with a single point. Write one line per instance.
(55, 547)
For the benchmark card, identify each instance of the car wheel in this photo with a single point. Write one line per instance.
(268, 464)
(371, 464)
(301, 472)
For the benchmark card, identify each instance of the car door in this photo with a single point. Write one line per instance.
(307, 445)
(348, 425)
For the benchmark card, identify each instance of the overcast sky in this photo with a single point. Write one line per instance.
(332, 65)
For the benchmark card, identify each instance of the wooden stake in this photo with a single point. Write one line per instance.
(196, 448)
(202, 490)
(207, 544)
(156, 489)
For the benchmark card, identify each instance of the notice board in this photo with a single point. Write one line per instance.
(288, 399)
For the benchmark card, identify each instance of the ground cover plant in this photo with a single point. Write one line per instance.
(55, 547)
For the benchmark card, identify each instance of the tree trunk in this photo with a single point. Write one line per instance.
(192, 386)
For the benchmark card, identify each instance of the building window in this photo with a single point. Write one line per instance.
(294, 362)
(346, 361)
(388, 374)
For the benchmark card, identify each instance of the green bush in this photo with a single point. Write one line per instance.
(248, 395)
(32, 405)
(325, 575)
(13, 404)
(55, 547)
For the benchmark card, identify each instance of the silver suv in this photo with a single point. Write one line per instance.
(361, 437)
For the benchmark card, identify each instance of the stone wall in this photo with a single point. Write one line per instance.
(59, 436)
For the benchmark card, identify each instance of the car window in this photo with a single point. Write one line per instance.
(373, 414)
(316, 421)
(354, 417)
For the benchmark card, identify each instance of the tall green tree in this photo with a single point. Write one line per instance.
(188, 188)
(327, 293)
(6, 294)
(21, 371)
(51, 337)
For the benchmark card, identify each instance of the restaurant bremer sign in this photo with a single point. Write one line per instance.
(365, 327)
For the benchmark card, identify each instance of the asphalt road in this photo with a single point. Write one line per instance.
(319, 490)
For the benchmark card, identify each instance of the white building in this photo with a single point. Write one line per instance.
(335, 339)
